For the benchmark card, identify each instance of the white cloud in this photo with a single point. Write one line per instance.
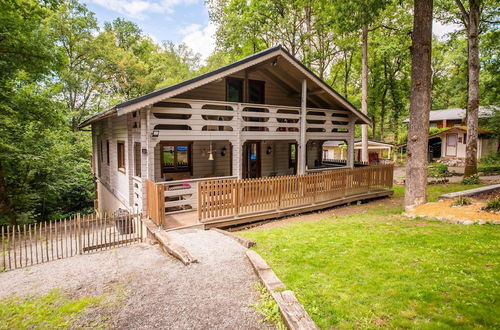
(139, 8)
(201, 39)
(441, 30)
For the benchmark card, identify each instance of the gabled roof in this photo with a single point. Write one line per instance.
(374, 142)
(457, 113)
(172, 91)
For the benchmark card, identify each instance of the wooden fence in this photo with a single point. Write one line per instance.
(27, 245)
(232, 197)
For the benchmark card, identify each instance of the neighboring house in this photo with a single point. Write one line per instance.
(450, 144)
(265, 115)
(454, 117)
(377, 150)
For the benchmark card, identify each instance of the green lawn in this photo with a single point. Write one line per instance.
(379, 268)
(50, 311)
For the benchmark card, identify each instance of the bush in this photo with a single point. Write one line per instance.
(493, 159)
(461, 201)
(438, 170)
(489, 168)
(492, 205)
(473, 179)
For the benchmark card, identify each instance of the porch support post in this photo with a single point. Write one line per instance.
(144, 156)
(237, 144)
(302, 143)
(350, 144)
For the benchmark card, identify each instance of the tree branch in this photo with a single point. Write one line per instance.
(463, 11)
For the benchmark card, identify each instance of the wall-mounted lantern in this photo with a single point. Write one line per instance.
(269, 150)
(223, 151)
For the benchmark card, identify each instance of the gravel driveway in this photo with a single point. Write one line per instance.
(150, 289)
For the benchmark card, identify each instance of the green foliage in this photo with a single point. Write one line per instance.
(461, 201)
(50, 311)
(268, 308)
(489, 168)
(492, 205)
(58, 68)
(473, 179)
(434, 191)
(338, 266)
(438, 170)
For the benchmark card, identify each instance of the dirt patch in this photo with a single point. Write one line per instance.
(486, 195)
(344, 210)
(147, 289)
(444, 211)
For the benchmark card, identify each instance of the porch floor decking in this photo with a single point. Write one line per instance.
(190, 219)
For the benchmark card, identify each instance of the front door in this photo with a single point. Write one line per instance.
(451, 144)
(251, 160)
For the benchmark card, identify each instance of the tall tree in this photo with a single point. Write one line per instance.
(420, 104)
(476, 16)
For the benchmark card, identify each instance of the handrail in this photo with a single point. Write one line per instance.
(176, 182)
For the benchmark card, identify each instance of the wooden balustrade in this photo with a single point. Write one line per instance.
(232, 198)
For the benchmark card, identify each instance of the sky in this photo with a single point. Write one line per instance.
(180, 21)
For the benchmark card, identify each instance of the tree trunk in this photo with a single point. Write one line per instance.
(420, 104)
(364, 92)
(473, 90)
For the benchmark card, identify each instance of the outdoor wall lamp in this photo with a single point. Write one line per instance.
(223, 151)
(269, 150)
(155, 133)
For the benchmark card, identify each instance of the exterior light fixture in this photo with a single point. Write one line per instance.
(210, 153)
(155, 133)
(223, 151)
(269, 150)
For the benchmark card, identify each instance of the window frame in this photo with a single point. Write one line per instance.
(293, 164)
(242, 87)
(120, 156)
(175, 144)
(107, 152)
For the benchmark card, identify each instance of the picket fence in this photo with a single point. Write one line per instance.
(31, 244)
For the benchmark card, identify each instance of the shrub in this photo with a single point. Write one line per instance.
(461, 201)
(473, 179)
(489, 168)
(492, 205)
(493, 159)
(438, 170)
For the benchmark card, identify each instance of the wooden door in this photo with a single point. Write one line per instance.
(451, 144)
(251, 159)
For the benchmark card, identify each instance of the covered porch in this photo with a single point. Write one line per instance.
(226, 201)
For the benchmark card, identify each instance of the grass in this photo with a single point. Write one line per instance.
(380, 269)
(434, 191)
(268, 308)
(50, 311)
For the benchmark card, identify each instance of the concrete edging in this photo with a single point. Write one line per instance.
(470, 192)
(243, 241)
(293, 313)
(168, 244)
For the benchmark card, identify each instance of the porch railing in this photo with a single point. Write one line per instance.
(170, 197)
(232, 197)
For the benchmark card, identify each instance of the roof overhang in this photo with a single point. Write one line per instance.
(245, 63)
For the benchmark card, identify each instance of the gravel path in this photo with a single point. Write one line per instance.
(150, 289)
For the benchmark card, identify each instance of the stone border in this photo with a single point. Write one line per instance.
(243, 241)
(454, 221)
(168, 244)
(293, 313)
(470, 191)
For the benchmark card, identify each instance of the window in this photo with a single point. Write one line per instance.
(101, 152)
(234, 90)
(292, 155)
(120, 152)
(176, 157)
(433, 124)
(256, 91)
(107, 152)
(137, 159)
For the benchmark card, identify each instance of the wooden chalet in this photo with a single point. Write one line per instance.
(241, 143)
